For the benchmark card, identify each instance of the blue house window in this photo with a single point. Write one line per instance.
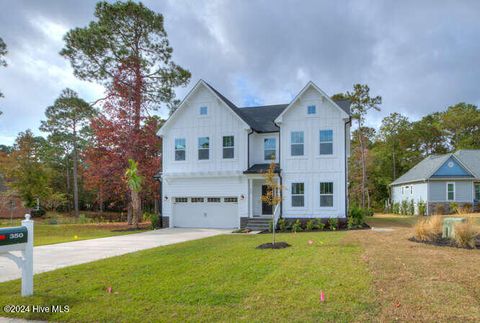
(311, 109)
(450, 191)
(326, 142)
(203, 111)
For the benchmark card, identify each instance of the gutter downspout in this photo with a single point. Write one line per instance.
(349, 122)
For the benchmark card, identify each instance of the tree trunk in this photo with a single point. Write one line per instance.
(136, 206)
(69, 201)
(362, 154)
(100, 200)
(75, 172)
(129, 213)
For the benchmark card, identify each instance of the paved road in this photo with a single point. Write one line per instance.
(51, 257)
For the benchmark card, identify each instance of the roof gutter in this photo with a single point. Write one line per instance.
(348, 122)
(280, 167)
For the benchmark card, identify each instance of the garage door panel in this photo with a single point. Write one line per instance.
(205, 213)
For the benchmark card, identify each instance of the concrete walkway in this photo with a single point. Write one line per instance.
(51, 257)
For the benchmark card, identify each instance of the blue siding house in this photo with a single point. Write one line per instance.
(440, 180)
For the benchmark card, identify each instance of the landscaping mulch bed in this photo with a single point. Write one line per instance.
(444, 242)
(277, 245)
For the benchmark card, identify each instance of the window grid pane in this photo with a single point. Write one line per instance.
(326, 142)
(326, 194)
(203, 111)
(269, 148)
(311, 109)
(180, 149)
(228, 147)
(298, 197)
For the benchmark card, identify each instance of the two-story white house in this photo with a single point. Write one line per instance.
(215, 154)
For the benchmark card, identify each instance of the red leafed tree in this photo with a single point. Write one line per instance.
(123, 131)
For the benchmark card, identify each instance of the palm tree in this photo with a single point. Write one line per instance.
(134, 181)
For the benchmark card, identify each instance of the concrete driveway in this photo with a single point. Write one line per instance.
(51, 257)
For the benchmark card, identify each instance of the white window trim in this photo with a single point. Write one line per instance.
(209, 149)
(234, 148)
(276, 149)
(292, 195)
(333, 195)
(334, 150)
(200, 111)
(175, 150)
(303, 144)
(312, 114)
(454, 191)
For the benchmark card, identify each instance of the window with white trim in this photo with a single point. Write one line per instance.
(197, 199)
(450, 191)
(269, 148)
(203, 148)
(298, 195)
(230, 199)
(181, 199)
(311, 109)
(213, 199)
(180, 146)
(296, 143)
(326, 194)
(203, 111)
(228, 147)
(326, 142)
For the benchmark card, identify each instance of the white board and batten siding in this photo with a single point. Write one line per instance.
(313, 168)
(216, 177)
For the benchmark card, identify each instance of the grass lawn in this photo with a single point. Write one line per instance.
(419, 282)
(223, 278)
(56, 233)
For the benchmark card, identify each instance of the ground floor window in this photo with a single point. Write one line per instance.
(477, 191)
(326, 194)
(450, 191)
(298, 195)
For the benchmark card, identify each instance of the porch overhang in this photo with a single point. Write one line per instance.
(262, 169)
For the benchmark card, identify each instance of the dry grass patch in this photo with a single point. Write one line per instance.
(429, 228)
(466, 234)
(420, 282)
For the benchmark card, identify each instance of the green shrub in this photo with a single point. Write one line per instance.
(369, 212)
(310, 225)
(411, 208)
(333, 224)
(319, 224)
(453, 207)
(422, 207)
(153, 218)
(82, 219)
(53, 221)
(404, 207)
(282, 224)
(356, 217)
(297, 226)
(396, 208)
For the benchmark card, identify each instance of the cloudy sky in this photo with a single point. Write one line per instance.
(420, 56)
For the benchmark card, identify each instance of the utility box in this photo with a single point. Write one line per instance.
(448, 230)
(13, 235)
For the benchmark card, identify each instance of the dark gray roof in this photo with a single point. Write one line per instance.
(424, 169)
(261, 168)
(261, 118)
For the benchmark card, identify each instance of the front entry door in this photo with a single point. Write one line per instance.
(266, 208)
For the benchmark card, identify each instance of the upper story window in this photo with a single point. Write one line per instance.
(450, 191)
(180, 147)
(326, 142)
(203, 111)
(296, 148)
(326, 194)
(269, 148)
(203, 148)
(228, 147)
(298, 195)
(311, 109)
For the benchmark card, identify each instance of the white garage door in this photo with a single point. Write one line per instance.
(205, 212)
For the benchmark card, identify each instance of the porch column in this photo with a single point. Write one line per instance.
(250, 198)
